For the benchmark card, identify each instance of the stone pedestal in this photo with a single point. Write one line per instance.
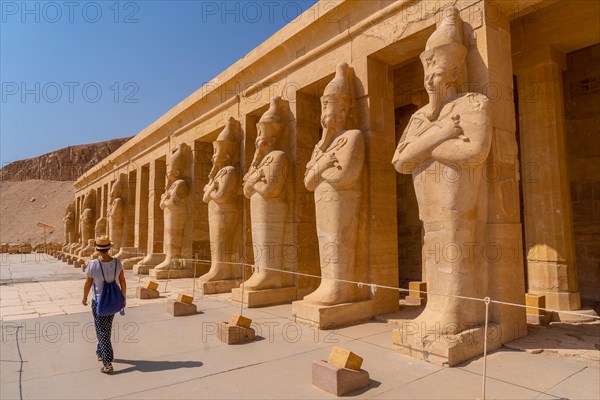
(262, 298)
(433, 346)
(149, 262)
(233, 334)
(329, 317)
(130, 262)
(585, 315)
(178, 309)
(338, 381)
(216, 287)
(416, 297)
(144, 293)
(127, 253)
(173, 273)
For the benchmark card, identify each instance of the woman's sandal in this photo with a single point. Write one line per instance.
(107, 369)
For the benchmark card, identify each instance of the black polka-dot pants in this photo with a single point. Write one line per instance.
(103, 332)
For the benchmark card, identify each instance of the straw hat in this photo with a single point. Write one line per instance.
(103, 243)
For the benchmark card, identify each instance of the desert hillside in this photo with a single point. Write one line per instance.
(24, 204)
(66, 164)
(38, 190)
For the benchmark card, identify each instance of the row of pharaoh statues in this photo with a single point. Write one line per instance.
(451, 131)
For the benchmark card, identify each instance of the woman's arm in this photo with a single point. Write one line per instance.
(123, 285)
(86, 289)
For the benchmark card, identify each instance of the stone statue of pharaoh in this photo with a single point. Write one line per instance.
(116, 212)
(69, 223)
(86, 219)
(445, 147)
(334, 173)
(101, 227)
(265, 184)
(175, 204)
(223, 195)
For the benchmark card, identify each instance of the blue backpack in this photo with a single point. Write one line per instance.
(111, 299)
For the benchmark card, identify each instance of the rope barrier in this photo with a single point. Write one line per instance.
(374, 287)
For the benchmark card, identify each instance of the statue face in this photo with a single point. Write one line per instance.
(172, 173)
(438, 77)
(267, 131)
(220, 157)
(115, 190)
(334, 113)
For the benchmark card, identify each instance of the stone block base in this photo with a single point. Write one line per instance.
(69, 261)
(140, 269)
(143, 293)
(262, 298)
(178, 309)
(415, 301)
(126, 253)
(330, 317)
(216, 287)
(150, 261)
(539, 319)
(588, 316)
(130, 262)
(338, 381)
(175, 273)
(440, 349)
(233, 334)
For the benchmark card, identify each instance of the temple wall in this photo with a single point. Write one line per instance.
(582, 102)
(381, 41)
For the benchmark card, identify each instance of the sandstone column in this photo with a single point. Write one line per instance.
(156, 188)
(551, 266)
(140, 240)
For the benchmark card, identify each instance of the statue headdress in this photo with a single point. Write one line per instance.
(341, 85)
(179, 161)
(445, 45)
(227, 141)
(277, 113)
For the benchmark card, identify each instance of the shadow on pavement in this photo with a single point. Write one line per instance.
(152, 366)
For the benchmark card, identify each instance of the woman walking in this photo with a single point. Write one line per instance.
(103, 269)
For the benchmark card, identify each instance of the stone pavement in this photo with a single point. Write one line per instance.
(163, 357)
(38, 285)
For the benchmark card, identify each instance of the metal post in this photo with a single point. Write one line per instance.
(485, 340)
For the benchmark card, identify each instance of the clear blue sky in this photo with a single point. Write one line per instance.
(76, 72)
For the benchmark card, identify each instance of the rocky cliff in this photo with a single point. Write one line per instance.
(66, 164)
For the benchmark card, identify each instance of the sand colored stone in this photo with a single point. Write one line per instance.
(175, 203)
(381, 42)
(180, 309)
(343, 358)
(234, 334)
(267, 185)
(452, 132)
(223, 195)
(145, 293)
(116, 212)
(336, 380)
(239, 320)
(184, 298)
